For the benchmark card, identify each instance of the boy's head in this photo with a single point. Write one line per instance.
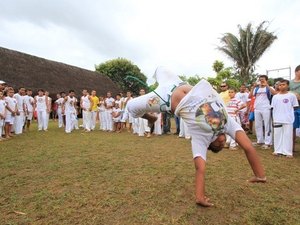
(231, 92)
(10, 92)
(21, 91)
(243, 88)
(108, 94)
(71, 93)
(142, 91)
(128, 94)
(263, 79)
(93, 93)
(84, 92)
(284, 85)
(63, 94)
(29, 92)
(218, 144)
(118, 96)
(47, 93)
(297, 71)
(40, 92)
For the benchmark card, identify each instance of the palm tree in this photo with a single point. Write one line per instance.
(247, 49)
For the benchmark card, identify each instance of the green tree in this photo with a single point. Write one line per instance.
(247, 48)
(218, 66)
(118, 69)
(192, 80)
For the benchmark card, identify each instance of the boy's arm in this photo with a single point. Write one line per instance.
(252, 156)
(200, 182)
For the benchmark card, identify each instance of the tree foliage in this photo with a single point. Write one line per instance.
(247, 48)
(118, 69)
(192, 80)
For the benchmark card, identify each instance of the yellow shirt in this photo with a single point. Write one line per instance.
(225, 96)
(95, 102)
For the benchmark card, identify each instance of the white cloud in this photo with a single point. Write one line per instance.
(179, 34)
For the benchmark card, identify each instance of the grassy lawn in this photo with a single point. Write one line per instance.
(109, 178)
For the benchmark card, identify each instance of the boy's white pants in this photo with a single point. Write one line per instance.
(109, 120)
(70, 121)
(87, 119)
(60, 117)
(19, 123)
(229, 140)
(143, 127)
(135, 125)
(263, 117)
(103, 124)
(1, 127)
(283, 139)
(183, 130)
(93, 120)
(157, 125)
(42, 120)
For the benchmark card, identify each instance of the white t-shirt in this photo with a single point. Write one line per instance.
(244, 98)
(86, 103)
(41, 104)
(262, 101)
(20, 101)
(118, 118)
(283, 107)
(11, 103)
(109, 101)
(2, 107)
(70, 104)
(59, 102)
(28, 100)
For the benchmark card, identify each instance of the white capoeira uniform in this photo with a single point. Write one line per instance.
(108, 110)
(59, 102)
(262, 115)
(283, 117)
(184, 132)
(50, 106)
(126, 115)
(157, 125)
(118, 118)
(41, 109)
(202, 109)
(19, 119)
(70, 113)
(29, 102)
(102, 116)
(2, 113)
(86, 112)
(11, 103)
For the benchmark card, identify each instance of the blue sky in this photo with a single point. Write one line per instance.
(181, 35)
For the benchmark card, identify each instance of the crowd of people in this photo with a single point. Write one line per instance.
(272, 108)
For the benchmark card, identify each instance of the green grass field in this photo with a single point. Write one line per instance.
(108, 178)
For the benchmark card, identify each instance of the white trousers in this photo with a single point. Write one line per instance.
(135, 125)
(42, 120)
(263, 119)
(183, 129)
(19, 123)
(103, 124)
(60, 117)
(283, 139)
(157, 125)
(93, 119)
(87, 119)
(229, 140)
(109, 120)
(143, 127)
(70, 121)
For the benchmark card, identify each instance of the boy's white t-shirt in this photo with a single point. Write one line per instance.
(11, 103)
(86, 103)
(28, 100)
(118, 118)
(20, 101)
(2, 106)
(41, 104)
(283, 107)
(262, 101)
(70, 104)
(244, 98)
(59, 102)
(109, 101)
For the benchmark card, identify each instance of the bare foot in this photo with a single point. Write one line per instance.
(257, 180)
(204, 202)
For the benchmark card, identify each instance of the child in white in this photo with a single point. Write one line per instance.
(184, 130)
(11, 112)
(70, 111)
(2, 113)
(59, 102)
(157, 125)
(20, 118)
(283, 105)
(49, 103)
(102, 114)
(116, 116)
(233, 107)
(109, 103)
(126, 115)
(29, 106)
(42, 108)
(86, 106)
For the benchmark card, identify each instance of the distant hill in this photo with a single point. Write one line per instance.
(22, 70)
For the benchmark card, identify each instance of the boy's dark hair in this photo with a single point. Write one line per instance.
(42, 90)
(28, 89)
(62, 92)
(231, 89)
(263, 76)
(71, 91)
(118, 95)
(297, 68)
(214, 149)
(285, 81)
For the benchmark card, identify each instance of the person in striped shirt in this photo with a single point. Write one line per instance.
(233, 108)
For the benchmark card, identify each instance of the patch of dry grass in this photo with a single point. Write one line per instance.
(108, 178)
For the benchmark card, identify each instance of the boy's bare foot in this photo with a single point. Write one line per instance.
(204, 202)
(257, 180)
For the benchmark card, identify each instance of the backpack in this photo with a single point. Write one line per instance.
(270, 96)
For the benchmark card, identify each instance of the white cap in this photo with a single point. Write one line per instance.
(2, 82)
